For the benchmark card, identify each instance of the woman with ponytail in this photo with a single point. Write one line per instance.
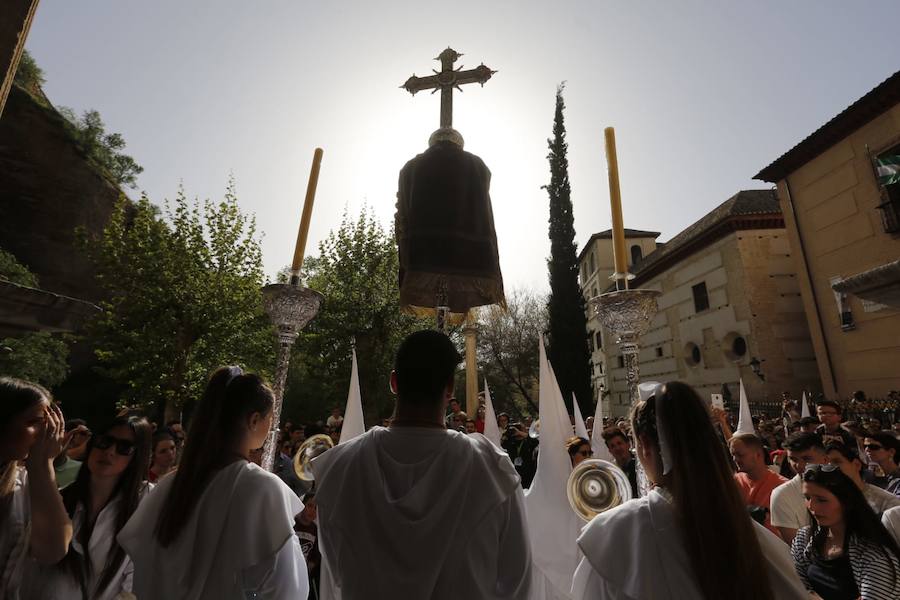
(220, 527)
(104, 495)
(690, 537)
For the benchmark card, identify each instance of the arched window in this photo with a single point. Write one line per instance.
(636, 254)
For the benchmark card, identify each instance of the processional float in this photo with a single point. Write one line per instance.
(444, 224)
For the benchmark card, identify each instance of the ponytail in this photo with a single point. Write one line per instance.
(718, 535)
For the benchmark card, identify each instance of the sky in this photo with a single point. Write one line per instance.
(702, 96)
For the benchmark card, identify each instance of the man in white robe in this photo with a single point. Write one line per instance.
(416, 510)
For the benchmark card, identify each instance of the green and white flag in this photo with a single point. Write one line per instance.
(888, 169)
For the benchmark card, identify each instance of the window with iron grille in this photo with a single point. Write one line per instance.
(890, 198)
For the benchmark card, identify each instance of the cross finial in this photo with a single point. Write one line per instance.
(445, 80)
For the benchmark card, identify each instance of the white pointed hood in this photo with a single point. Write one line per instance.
(491, 429)
(745, 421)
(354, 424)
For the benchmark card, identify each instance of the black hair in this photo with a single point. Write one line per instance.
(859, 518)
(574, 443)
(614, 432)
(836, 406)
(888, 440)
(808, 421)
(228, 400)
(129, 487)
(717, 534)
(803, 440)
(847, 452)
(425, 364)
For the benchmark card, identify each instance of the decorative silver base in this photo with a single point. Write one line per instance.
(627, 315)
(290, 308)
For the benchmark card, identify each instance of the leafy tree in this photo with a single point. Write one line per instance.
(103, 148)
(35, 356)
(183, 297)
(356, 271)
(508, 350)
(567, 340)
(29, 75)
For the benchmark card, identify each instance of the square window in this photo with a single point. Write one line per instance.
(659, 352)
(701, 297)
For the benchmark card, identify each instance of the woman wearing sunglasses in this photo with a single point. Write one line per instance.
(579, 449)
(33, 520)
(221, 527)
(883, 449)
(846, 553)
(104, 495)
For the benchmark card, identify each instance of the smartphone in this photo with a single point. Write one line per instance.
(718, 401)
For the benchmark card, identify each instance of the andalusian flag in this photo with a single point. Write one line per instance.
(888, 169)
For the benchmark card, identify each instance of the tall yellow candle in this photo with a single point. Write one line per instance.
(615, 200)
(303, 233)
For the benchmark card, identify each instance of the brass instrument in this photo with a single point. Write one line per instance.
(307, 451)
(596, 486)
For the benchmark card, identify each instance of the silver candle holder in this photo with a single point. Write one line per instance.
(290, 307)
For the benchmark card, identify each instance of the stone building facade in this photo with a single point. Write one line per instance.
(730, 306)
(844, 227)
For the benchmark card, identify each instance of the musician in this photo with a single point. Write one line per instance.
(691, 536)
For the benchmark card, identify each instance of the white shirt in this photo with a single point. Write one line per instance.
(15, 536)
(55, 583)
(238, 541)
(634, 552)
(788, 506)
(422, 514)
(880, 500)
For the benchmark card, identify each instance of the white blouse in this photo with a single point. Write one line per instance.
(15, 536)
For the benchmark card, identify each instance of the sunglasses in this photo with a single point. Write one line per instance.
(873, 447)
(123, 447)
(827, 468)
(585, 453)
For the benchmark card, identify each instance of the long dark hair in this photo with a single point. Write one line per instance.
(718, 535)
(230, 397)
(16, 396)
(129, 487)
(859, 518)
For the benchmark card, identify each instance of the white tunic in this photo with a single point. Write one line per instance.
(634, 552)
(15, 536)
(55, 583)
(422, 514)
(238, 541)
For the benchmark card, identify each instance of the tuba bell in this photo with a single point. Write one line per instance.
(596, 486)
(307, 451)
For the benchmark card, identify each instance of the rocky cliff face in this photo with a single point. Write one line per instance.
(47, 189)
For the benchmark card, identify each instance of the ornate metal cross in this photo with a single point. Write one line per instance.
(447, 79)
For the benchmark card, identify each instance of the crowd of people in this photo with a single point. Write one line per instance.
(801, 508)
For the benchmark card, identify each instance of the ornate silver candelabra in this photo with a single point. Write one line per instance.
(627, 315)
(290, 307)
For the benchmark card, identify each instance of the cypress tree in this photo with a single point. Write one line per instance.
(567, 340)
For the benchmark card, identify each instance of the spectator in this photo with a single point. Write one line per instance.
(589, 425)
(335, 435)
(335, 420)
(240, 515)
(458, 422)
(808, 424)
(470, 426)
(788, 507)
(883, 450)
(521, 449)
(162, 455)
(579, 449)
(754, 478)
(177, 430)
(845, 552)
(479, 419)
(308, 534)
(77, 435)
(298, 434)
(830, 414)
(454, 414)
(77, 450)
(704, 544)
(33, 520)
(107, 491)
(619, 446)
(847, 459)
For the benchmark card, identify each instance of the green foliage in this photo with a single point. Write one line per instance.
(29, 75)
(508, 351)
(356, 271)
(567, 346)
(103, 148)
(14, 271)
(38, 356)
(183, 297)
